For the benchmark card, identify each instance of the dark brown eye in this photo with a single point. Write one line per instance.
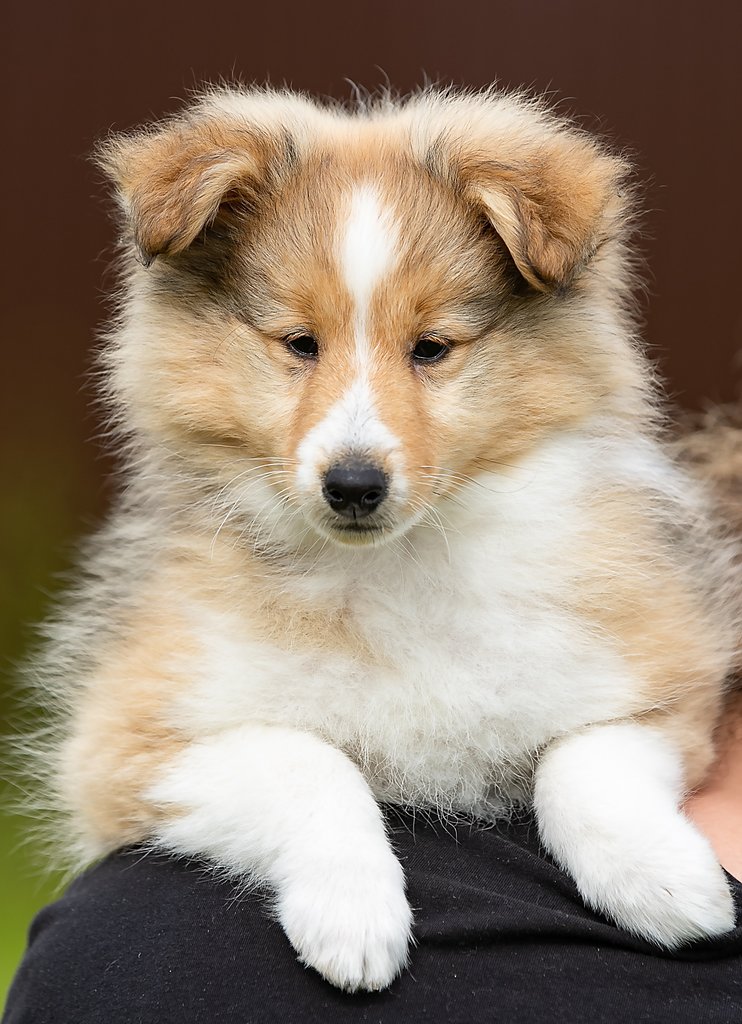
(430, 350)
(303, 345)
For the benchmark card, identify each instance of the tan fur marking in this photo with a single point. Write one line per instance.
(123, 734)
(642, 597)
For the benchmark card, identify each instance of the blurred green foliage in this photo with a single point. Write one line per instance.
(48, 490)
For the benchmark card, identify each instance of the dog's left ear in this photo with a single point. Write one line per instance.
(552, 194)
(552, 209)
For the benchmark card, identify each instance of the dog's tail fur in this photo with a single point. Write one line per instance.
(710, 445)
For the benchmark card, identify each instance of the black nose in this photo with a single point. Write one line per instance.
(354, 489)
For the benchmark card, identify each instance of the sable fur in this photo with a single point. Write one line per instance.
(543, 569)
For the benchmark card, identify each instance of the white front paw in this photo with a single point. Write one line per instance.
(670, 892)
(349, 920)
(607, 805)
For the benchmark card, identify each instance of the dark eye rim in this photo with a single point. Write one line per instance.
(302, 344)
(441, 349)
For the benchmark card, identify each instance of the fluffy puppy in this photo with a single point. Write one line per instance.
(399, 522)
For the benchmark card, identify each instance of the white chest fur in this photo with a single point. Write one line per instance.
(469, 660)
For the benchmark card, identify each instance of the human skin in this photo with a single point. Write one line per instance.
(717, 807)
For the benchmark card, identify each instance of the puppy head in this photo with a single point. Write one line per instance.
(337, 319)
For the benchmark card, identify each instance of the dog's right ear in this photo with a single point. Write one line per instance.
(173, 181)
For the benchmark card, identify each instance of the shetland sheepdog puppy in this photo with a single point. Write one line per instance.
(400, 523)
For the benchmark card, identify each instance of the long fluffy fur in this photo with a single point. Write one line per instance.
(233, 678)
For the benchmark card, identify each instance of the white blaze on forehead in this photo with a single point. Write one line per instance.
(369, 247)
(352, 426)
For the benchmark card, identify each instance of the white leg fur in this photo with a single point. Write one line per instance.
(607, 806)
(283, 807)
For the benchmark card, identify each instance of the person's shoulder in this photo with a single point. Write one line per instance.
(139, 937)
(499, 929)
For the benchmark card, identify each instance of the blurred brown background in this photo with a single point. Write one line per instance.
(661, 78)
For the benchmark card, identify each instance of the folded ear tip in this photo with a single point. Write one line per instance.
(547, 284)
(149, 243)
